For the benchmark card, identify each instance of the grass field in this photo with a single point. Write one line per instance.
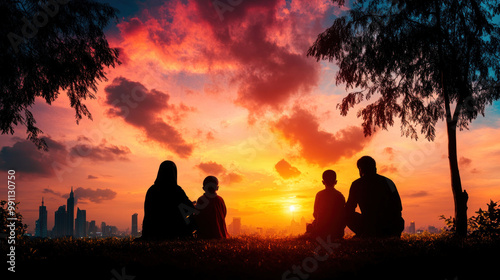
(412, 257)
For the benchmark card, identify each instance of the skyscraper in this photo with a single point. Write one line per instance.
(60, 222)
(70, 214)
(236, 225)
(92, 229)
(81, 223)
(411, 229)
(134, 224)
(104, 229)
(41, 230)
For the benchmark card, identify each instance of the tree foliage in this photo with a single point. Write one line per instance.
(48, 47)
(5, 214)
(409, 53)
(485, 224)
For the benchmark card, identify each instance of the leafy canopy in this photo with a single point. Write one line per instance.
(48, 47)
(419, 56)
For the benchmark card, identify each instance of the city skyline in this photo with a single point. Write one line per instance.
(84, 228)
(66, 225)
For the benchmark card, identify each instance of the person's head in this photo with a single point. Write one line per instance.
(210, 184)
(366, 166)
(329, 178)
(167, 174)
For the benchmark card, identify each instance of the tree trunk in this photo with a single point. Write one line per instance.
(460, 197)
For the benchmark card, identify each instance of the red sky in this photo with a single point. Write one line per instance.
(228, 91)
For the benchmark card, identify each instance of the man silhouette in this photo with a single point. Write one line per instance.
(329, 209)
(378, 200)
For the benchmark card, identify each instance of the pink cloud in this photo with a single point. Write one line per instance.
(286, 170)
(318, 146)
(259, 46)
(141, 107)
(225, 176)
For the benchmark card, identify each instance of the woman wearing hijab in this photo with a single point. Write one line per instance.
(163, 218)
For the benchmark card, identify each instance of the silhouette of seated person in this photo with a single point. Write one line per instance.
(378, 201)
(163, 219)
(211, 215)
(328, 209)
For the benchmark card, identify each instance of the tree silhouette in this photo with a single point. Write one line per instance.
(425, 60)
(48, 47)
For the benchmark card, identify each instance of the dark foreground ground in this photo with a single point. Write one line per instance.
(412, 257)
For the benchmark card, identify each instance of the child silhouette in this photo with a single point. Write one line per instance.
(212, 212)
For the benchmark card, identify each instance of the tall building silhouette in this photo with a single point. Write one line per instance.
(411, 229)
(81, 223)
(41, 223)
(104, 229)
(70, 214)
(236, 225)
(60, 222)
(92, 229)
(134, 224)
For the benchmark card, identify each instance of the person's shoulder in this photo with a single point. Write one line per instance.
(358, 182)
(388, 183)
(152, 189)
(321, 193)
(180, 190)
(219, 198)
(383, 178)
(339, 194)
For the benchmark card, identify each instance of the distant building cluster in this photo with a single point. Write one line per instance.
(411, 229)
(66, 225)
(236, 228)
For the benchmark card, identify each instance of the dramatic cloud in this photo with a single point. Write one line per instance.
(225, 176)
(140, 107)
(286, 170)
(318, 146)
(25, 158)
(259, 45)
(86, 194)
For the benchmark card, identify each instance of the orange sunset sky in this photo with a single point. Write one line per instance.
(228, 90)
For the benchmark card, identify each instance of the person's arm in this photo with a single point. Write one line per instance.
(147, 215)
(224, 209)
(396, 199)
(316, 206)
(352, 200)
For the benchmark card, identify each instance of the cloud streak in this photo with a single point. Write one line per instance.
(86, 194)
